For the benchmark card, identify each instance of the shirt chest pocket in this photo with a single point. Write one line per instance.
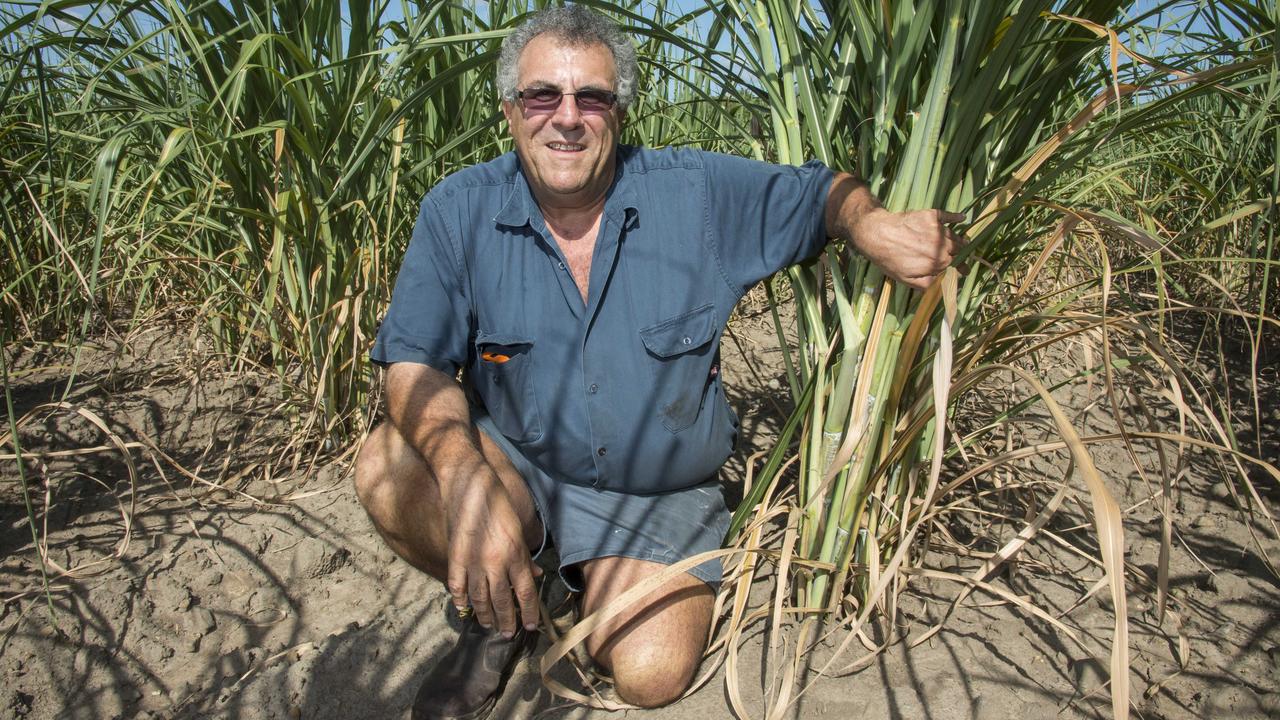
(504, 380)
(681, 352)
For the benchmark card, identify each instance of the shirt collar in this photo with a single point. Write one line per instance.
(515, 211)
(620, 205)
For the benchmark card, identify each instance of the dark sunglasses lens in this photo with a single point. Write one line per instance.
(594, 100)
(541, 99)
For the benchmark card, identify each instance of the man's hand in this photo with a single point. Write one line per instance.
(488, 560)
(911, 247)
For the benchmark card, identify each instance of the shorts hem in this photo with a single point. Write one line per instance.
(697, 571)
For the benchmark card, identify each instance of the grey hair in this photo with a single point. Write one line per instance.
(577, 26)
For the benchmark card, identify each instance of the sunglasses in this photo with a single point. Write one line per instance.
(548, 99)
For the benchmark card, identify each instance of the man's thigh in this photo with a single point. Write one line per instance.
(659, 640)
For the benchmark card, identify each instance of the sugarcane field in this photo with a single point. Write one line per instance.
(660, 359)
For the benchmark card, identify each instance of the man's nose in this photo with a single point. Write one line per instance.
(567, 114)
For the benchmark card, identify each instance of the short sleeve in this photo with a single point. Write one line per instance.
(764, 217)
(429, 320)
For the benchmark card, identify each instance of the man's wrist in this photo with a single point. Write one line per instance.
(849, 204)
(863, 227)
(469, 489)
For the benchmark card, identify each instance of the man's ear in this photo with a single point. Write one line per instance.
(508, 107)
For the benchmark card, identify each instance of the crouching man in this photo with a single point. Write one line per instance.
(582, 287)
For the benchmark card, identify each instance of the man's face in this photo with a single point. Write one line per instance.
(567, 155)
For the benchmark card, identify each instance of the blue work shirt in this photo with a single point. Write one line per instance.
(621, 392)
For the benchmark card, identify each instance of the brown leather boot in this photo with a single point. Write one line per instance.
(466, 682)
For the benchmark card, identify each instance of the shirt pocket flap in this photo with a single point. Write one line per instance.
(501, 339)
(682, 333)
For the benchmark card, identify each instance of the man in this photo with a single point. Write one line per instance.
(582, 287)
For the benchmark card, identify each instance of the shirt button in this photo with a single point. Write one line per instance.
(561, 265)
(686, 340)
(601, 451)
(594, 387)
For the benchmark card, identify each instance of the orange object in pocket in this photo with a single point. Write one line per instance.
(494, 357)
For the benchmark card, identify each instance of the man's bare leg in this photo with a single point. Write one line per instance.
(403, 499)
(653, 648)
(405, 502)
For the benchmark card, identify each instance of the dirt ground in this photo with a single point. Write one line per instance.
(263, 592)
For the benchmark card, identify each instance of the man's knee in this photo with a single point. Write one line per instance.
(651, 677)
(374, 464)
(654, 648)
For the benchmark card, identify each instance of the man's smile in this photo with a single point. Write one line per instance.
(566, 154)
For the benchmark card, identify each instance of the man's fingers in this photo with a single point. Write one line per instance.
(526, 596)
(504, 610)
(457, 584)
(918, 282)
(951, 217)
(479, 591)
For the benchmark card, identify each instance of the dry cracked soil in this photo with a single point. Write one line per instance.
(204, 578)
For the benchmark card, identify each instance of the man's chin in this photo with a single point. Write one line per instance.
(567, 187)
(567, 184)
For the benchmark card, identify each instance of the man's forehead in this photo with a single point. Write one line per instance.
(556, 39)
(549, 43)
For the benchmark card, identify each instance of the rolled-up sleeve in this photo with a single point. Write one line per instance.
(429, 319)
(763, 217)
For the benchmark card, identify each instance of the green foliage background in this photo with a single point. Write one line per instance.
(254, 167)
(256, 164)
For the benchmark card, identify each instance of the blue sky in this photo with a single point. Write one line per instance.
(1183, 17)
(1187, 16)
(1163, 33)
(1174, 22)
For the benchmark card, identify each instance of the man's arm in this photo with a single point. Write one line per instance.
(488, 559)
(912, 247)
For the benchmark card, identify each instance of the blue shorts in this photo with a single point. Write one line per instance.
(586, 523)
